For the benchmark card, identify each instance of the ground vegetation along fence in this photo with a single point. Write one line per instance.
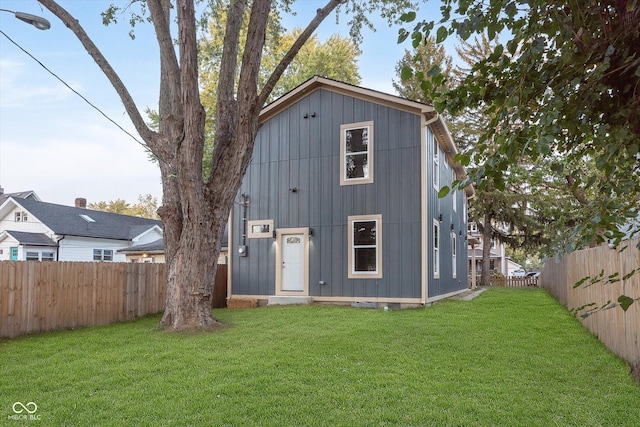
(604, 275)
(44, 296)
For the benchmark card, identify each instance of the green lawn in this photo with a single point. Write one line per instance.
(511, 357)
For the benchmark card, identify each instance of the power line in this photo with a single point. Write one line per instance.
(75, 91)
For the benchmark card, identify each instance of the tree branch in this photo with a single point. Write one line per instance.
(147, 134)
(295, 48)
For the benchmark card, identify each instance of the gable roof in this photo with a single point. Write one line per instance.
(435, 122)
(28, 194)
(67, 220)
(31, 239)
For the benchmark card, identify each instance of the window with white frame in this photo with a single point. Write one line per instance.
(48, 256)
(436, 162)
(260, 228)
(21, 216)
(33, 256)
(365, 249)
(454, 191)
(436, 248)
(103, 255)
(356, 153)
(464, 209)
(454, 269)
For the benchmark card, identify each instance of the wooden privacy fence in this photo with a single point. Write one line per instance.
(514, 281)
(44, 296)
(606, 268)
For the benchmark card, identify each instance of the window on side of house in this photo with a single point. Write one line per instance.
(436, 165)
(436, 248)
(356, 153)
(33, 256)
(260, 228)
(365, 248)
(454, 269)
(48, 256)
(103, 255)
(454, 191)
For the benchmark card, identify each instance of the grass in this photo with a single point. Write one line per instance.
(511, 357)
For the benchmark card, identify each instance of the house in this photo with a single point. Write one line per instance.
(154, 251)
(340, 202)
(33, 230)
(498, 260)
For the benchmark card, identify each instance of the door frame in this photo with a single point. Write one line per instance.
(280, 233)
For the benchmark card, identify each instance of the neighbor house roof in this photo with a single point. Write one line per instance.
(31, 239)
(435, 121)
(28, 194)
(157, 247)
(67, 220)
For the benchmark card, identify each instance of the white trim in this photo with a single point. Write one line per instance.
(454, 251)
(368, 179)
(351, 273)
(268, 223)
(280, 232)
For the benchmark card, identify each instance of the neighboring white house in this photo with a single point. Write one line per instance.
(34, 230)
(499, 261)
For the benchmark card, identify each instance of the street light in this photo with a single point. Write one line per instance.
(37, 21)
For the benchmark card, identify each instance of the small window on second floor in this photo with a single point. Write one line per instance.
(436, 165)
(356, 152)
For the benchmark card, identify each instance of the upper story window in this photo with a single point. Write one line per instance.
(356, 153)
(454, 191)
(436, 163)
(21, 216)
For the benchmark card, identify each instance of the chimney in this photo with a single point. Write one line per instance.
(81, 202)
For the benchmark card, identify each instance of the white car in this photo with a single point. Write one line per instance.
(518, 273)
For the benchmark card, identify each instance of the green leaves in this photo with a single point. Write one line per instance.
(625, 302)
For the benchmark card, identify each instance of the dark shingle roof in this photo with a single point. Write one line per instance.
(19, 195)
(156, 246)
(33, 239)
(67, 220)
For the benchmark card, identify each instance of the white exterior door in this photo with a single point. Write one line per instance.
(293, 265)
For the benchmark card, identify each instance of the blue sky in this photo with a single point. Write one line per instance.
(53, 142)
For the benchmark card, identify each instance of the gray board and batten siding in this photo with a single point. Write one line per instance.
(294, 180)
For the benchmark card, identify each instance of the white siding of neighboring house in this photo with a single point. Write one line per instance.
(32, 225)
(81, 248)
(150, 236)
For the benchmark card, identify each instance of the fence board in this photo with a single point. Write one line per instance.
(617, 329)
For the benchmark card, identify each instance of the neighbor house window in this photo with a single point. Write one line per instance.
(33, 256)
(102, 255)
(356, 152)
(365, 250)
(436, 248)
(21, 217)
(453, 255)
(48, 256)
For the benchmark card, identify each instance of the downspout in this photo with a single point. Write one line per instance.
(58, 247)
(425, 225)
